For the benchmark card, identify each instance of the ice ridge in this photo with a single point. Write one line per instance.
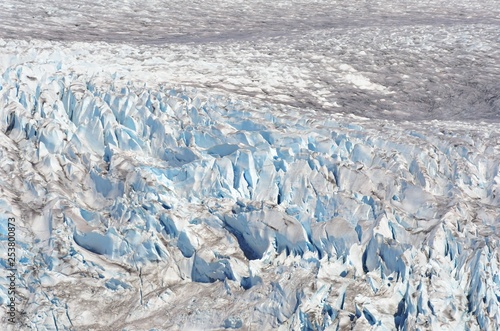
(206, 212)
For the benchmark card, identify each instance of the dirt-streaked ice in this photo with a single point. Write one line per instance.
(133, 191)
(234, 184)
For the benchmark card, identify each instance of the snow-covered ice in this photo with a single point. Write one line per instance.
(294, 165)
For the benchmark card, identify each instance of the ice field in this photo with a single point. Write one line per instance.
(251, 165)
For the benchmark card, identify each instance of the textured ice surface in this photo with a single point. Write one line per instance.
(172, 209)
(435, 59)
(242, 203)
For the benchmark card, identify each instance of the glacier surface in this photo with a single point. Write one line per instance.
(157, 190)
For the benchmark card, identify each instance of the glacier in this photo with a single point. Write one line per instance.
(261, 167)
(200, 211)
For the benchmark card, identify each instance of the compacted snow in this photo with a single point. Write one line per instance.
(294, 165)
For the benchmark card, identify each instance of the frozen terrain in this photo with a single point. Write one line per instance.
(252, 165)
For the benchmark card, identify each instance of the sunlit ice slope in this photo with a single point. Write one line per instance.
(282, 180)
